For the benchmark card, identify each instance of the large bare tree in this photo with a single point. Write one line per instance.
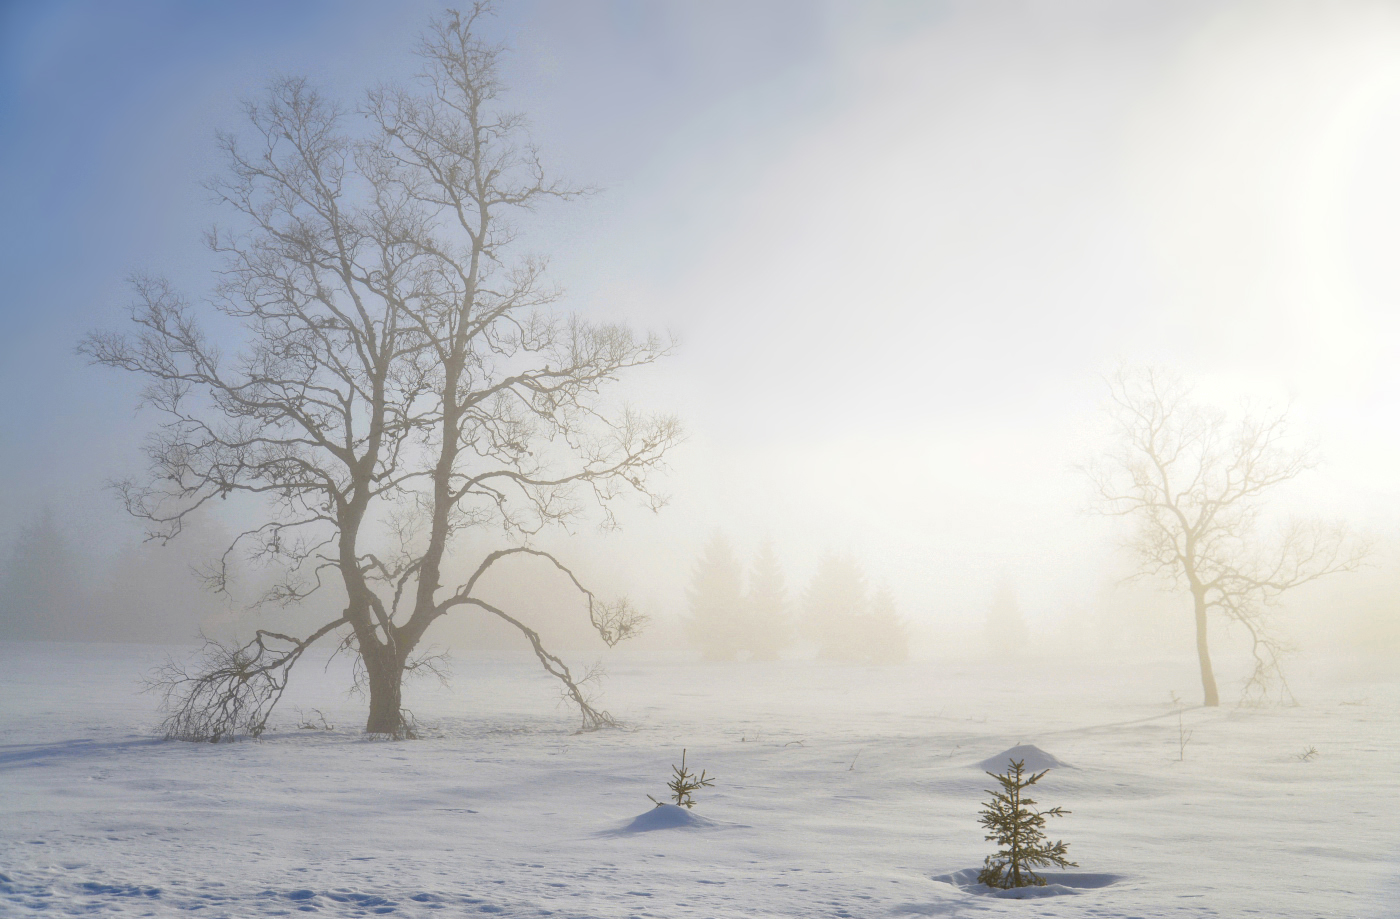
(1195, 483)
(394, 378)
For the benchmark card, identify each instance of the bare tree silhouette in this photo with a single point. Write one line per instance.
(399, 379)
(1195, 483)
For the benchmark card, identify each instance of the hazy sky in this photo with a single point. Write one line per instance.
(899, 242)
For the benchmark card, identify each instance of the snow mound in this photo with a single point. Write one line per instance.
(1036, 759)
(666, 817)
(1057, 883)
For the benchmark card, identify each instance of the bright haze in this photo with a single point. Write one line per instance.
(900, 245)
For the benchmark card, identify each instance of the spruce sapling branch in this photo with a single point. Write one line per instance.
(684, 784)
(1018, 829)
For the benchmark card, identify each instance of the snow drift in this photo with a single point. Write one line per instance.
(1057, 883)
(666, 817)
(1035, 758)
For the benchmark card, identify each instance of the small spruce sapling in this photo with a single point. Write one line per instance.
(1018, 828)
(684, 784)
(1183, 737)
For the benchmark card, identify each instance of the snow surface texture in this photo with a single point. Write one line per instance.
(841, 792)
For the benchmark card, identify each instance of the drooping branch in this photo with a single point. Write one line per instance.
(233, 688)
(614, 621)
(592, 718)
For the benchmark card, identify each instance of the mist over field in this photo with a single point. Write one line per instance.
(899, 246)
(881, 386)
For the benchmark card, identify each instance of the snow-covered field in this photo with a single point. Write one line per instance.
(842, 791)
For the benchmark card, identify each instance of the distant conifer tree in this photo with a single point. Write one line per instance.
(717, 602)
(846, 622)
(834, 606)
(1005, 626)
(1018, 828)
(886, 637)
(768, 627)
(39, 593)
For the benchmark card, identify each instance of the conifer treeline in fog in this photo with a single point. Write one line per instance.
(740, 611)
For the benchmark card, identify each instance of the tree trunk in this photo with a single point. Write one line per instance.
(1212, 696)
(385, 672)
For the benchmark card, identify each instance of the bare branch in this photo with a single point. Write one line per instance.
(233, 688)
(394, 373)
(614, 622)
(592, 718)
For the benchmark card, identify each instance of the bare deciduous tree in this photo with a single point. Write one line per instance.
(1195, 482)
(398, 379)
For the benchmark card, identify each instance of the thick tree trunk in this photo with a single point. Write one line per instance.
(1212, 695)
(385, 672)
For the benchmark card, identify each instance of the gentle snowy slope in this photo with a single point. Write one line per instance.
(842, 791)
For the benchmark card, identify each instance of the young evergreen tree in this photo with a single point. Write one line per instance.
(768, 628)
(717, 602)
(684, 785)
(1018, 829)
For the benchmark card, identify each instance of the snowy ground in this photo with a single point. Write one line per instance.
(842, 791)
